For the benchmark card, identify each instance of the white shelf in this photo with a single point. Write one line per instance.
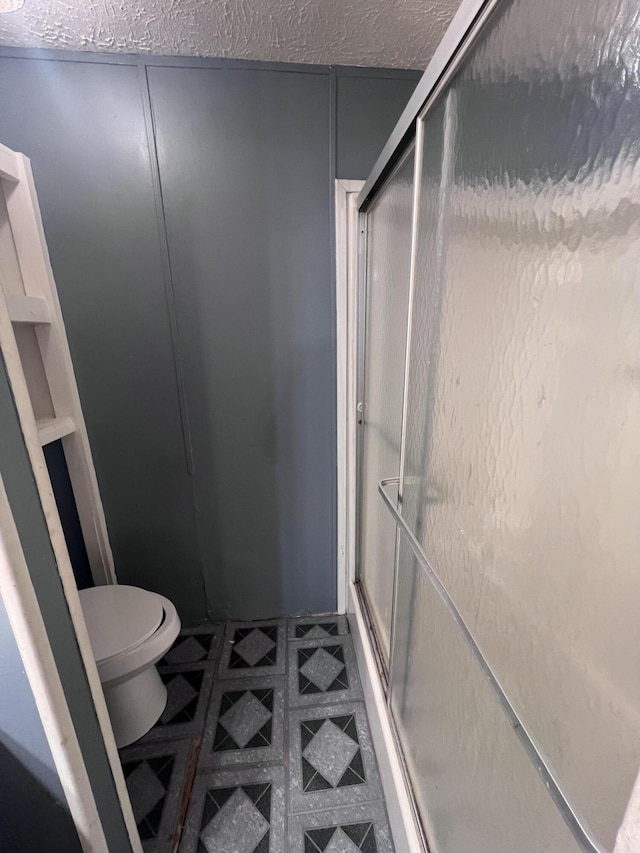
(28, 309)
(51, 429)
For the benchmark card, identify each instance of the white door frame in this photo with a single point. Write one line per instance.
(346, 201)
(18, 189)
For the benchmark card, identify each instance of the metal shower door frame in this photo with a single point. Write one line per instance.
(409, 146)
(456, 42)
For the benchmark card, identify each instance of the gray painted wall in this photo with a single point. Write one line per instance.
(32, 802)
(243, 161)
(19, 719)
(367, 111)
(202, 327)
(83, 127)
(24, 501)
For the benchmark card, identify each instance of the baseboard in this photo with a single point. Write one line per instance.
(404, 827)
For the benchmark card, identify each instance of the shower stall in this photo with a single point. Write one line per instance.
(498, 442)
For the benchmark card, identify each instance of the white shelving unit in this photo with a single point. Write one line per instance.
(36, 355)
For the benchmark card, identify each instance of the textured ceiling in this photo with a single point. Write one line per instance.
(383, 33)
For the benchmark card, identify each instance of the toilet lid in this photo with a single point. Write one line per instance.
(119, 617)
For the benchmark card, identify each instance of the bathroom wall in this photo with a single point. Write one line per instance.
(199, 305)
(367, 110)
(32, 802)
(31, 797)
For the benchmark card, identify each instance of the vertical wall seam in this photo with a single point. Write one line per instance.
(333, 145)
(170, 300)
(165, 259)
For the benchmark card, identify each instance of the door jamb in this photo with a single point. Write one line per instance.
(346, 213)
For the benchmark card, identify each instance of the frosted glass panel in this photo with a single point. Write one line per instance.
(474, 784)
(388, 262)
(523, 432)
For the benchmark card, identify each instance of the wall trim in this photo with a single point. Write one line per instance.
(230, 64)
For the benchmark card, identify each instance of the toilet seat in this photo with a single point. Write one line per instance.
(140, 645)
(119, 618)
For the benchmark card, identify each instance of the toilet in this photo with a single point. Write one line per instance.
(130, 630)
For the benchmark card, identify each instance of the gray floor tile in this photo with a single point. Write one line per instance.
(188, 691)
(195, 645)
(237, 811)
(323, 672)
(155, 777)
(253, 648)
(332, 762)
(316, 627)
(245, 722)
(285, 762)
(363, 827)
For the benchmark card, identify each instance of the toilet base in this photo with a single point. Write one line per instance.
(135, 705)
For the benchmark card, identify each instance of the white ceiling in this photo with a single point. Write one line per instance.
(383, 33)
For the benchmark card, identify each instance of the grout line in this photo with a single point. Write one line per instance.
(285, 732)
(378, 801)
(187, 790)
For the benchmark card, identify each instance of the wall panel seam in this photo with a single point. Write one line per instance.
(333, 145)
(165, 260)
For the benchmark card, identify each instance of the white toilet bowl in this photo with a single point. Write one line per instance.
(130, 630)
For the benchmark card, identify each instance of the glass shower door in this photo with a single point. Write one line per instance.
(520, 452)
(388, 259)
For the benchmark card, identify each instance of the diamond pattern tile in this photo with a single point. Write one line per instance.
(332, 762)
(237, 819)
(183, 690)
(147, 791)
(191, 649)
(255, 648)
(322, 669)
(155, 776)
(352, 838)
(246, 717)
(317, 627)
(210, 775)
(361, 827)
(245, 722)
(236, 811)
(252, 649)
(188, 691)
(330, 751)
(195, 645)
(316, 631)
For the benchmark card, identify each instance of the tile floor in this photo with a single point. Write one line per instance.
(264, 746)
